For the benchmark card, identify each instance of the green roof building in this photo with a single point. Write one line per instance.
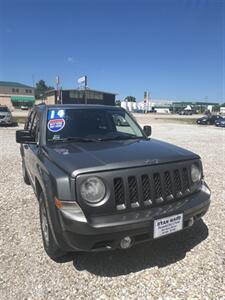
(15, 94)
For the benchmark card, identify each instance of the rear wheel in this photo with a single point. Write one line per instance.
(50, 246)
(25, 175)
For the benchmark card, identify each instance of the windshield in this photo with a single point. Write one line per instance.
(90, 125)
(4, 109)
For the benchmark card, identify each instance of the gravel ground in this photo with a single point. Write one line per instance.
(190, 265)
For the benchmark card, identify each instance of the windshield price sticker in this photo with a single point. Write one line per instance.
(56, 125)
(168, 225)
(54, 114)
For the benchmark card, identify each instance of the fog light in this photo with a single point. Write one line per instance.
(190, 222)
(126, 242)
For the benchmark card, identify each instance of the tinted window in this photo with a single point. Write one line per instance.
(29, 122)
(89, 123)
(35, 127)
(4, 109)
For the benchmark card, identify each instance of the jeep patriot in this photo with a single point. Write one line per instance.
(103, 183)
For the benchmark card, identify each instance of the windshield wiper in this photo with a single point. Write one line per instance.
(122, 137)
(74, 139)
(100, 139)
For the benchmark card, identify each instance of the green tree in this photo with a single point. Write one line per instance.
(130, 99)
(41, 89)
(118, 103)
(216, 108)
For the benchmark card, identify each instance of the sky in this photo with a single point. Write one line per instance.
(173, 48)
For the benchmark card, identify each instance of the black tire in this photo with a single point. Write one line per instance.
(25, 175)
(50, 246)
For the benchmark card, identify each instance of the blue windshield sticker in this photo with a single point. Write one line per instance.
(56, 125)
(54, 114)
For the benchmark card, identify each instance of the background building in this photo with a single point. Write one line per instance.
(76, 96)
(199, 107)
(160, 106)
(14, 94)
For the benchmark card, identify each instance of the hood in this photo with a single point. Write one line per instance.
(76, 158)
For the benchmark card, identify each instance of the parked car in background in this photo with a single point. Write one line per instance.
(5, 115)
(220, 122)
(208, 120)
(186, 112)
(24, 107)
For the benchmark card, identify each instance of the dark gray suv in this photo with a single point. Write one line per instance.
(104, 185)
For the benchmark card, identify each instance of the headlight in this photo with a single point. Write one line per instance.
(195, 173)
(93, 190)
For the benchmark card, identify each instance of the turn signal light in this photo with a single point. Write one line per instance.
(58, 203)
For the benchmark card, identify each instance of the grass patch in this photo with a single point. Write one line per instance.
(21, 120)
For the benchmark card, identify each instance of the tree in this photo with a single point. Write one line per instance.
(216, 108)
(130, 99)
(41, 89)
(118, 103)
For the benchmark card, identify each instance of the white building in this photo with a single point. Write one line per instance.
(222, 110)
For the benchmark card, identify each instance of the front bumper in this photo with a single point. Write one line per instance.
(106, 232)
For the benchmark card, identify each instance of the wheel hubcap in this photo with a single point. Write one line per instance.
(44, 225)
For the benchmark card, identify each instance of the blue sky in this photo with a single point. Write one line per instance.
(174, 48)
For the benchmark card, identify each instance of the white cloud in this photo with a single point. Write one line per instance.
(71, 60)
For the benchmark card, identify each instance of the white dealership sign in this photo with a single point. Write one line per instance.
(82, 81)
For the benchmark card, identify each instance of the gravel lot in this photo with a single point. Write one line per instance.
(190, 265)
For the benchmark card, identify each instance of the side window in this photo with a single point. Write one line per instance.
(35, 127)
(122, 125)
(29, 121)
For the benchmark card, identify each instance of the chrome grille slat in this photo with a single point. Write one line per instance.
(146, 189)
(119, 193)
(133, 191)
(177, 183)
(185, 179)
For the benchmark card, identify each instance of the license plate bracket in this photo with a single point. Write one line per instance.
(167, 225)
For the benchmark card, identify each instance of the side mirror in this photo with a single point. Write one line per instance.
(147, 130)
(24, 137)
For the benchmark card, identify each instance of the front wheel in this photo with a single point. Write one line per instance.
(50, 246)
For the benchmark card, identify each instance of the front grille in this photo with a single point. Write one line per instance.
(177, 183)
(157, 187)
(133, 191)
(151, 189)
(146, 189)
(168, 186)
(119, 191)
(185, 179)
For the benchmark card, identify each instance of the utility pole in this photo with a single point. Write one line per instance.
(57, 89)
(146, 101)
